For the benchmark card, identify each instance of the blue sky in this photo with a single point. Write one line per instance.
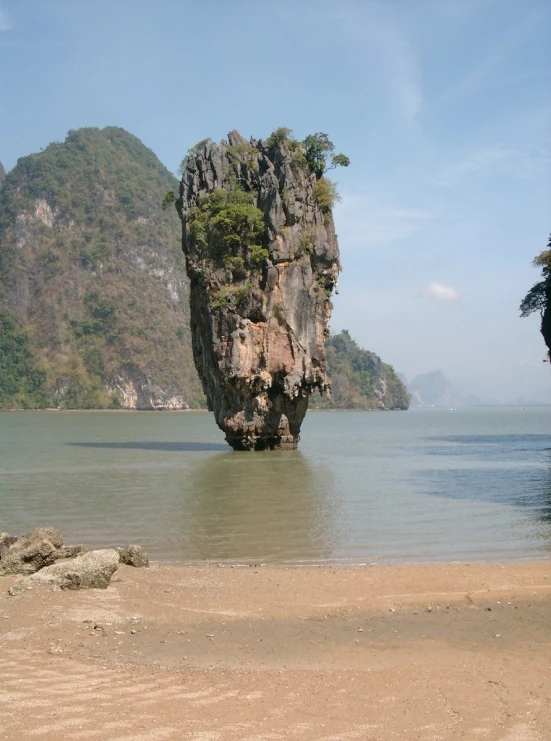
(443, 107)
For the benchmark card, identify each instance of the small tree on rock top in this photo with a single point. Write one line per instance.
(318, 149)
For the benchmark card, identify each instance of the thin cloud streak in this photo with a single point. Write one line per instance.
(5, 22)
(367, 221)
(440, 292)
(494, 160)
(390, 45)
(494, 59)
(361, 23)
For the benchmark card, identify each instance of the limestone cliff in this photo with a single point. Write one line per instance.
(262, 257)
(93, 292)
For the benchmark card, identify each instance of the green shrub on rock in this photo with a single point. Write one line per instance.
(226, 220)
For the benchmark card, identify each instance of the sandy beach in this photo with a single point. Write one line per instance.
(451, 651)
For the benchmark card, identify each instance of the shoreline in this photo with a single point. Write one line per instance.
(347, 563)
(520, 407)
(225, 653)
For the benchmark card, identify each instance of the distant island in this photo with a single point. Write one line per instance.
(94, 297)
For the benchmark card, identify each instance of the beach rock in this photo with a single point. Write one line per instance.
(6, 541)
(133, 555)
(262, 256)
(93, 570)
(70, 551)
(31, 552)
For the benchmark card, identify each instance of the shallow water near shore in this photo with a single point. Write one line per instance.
(415, 486)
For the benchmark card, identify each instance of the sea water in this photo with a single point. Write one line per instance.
(364, 487)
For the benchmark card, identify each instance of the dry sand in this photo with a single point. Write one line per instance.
(451, 651)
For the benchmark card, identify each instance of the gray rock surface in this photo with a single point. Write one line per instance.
(6, 541)
(70, 551)
(259, 329)
(31, 552)
(133, 555)
(93, 570)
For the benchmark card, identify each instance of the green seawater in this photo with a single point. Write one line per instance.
(364, 487)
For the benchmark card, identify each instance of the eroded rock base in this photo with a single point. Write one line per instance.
(288, 442)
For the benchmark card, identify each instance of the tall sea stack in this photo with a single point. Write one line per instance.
(262, 256)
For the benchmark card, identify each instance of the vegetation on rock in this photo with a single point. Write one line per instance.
(359, 378)
(225, 223)
(262, 257)
(93, 290)
(326, 194)
(538, 297)
(93, 293)
(22, 379)
(318, 149)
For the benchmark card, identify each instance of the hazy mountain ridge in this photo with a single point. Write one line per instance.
(433, 389)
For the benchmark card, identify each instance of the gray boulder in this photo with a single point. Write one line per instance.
(133, 555)
(6, 541)
(70, 551)
(93, 570)
(31, 552)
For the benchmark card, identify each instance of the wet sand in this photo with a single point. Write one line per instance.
(450, 651)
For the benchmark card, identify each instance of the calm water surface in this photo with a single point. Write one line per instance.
(364, 487)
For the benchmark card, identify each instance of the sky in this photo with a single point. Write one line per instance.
(442, 106)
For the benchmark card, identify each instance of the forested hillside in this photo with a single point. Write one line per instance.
(94, 299)
(360, 380)
(93, 294)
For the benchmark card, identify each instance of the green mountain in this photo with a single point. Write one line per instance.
(360, 380)
(94, 299)
(94, 302)
(2, 174)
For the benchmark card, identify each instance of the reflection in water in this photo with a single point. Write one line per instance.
(495, 479)
(169, 447)
(266, 507)
(491, 448)
(389, 487)
(527, 488)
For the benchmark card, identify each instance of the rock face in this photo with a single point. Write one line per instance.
(546, 325)
(94, 297)
(93, 570)
(262, 256)
(133, 555)
(38, 549)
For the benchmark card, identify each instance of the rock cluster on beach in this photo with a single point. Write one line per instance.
(262, 256)
(42, 559)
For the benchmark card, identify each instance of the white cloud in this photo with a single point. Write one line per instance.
(440, 292)
(486, 68)
(5, 23)
(396, 57)
(494, 160)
